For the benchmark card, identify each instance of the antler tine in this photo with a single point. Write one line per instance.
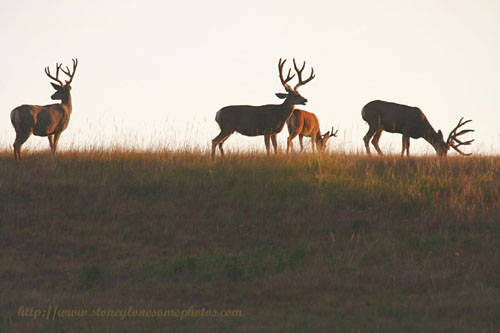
(465, 122)
(67, 71)
(453, 134)
(453, 140)
(460, 124)
(462, 132)
(47, 72)
(284, 82)
(334, 134)
(299, 73)
(459, 151)
(464, 143)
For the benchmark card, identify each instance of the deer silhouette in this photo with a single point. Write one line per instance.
(304, 123)
(411, 122)
(47, 120)
(266, 120)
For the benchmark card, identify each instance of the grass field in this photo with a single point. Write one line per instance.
(336, 242)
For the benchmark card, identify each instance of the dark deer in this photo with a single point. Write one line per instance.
(266, 120)
(303, 123)
(47, 120)
(411, 122)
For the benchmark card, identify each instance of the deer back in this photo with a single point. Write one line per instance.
(41, 120)
(303, 123)
(253, 120)
(47, 119)
(397, 118)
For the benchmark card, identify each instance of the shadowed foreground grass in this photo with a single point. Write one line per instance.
(302, 242)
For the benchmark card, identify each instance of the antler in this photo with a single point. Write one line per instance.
(47, 71)
(68, 73)
(453, 140)
(284, 82)
(299, 73)
(334, 134)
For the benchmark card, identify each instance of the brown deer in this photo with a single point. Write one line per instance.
(266, 120)
(411, 122)
(47, 120)
(303, 123)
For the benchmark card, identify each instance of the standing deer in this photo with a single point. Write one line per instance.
(411, 122)
(303, 123)
(267, 120)
(47, 120)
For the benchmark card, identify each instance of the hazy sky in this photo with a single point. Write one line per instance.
(154, 73)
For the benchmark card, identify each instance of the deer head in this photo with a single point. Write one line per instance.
(442, 146)
(62, 89)
(323, 139)
(292, 95)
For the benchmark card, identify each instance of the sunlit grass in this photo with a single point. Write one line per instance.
(298, 242)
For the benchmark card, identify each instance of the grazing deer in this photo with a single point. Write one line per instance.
(47, 120)
(267, 120)
(411, 122)
(303, 123)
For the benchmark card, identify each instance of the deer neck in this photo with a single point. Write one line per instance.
(431, 136)
(287, 109)
(66, 104)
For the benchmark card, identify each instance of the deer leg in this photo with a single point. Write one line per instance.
(219, 140)
(222, 142)
(221, 149)
(404, 146)
(408, 146)
(275, 143)
(313, 143)
(289, 143)
(266, 141)
(51, 143)
(301, 143)
(375, 140)
(20, 139)
(367, 138)
(55, 141)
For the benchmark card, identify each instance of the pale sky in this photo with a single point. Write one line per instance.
(153, 74)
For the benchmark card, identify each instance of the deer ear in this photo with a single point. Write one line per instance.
(56, 86)
(440, 134)
(281, 95)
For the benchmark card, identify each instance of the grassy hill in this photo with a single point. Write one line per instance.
(303, 242)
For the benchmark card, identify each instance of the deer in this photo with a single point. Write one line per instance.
(267, 120)
(411, 123)
(47, 120)
(304, 123)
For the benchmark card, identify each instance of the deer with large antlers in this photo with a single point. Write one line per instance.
(303, 123)
(411, 122)
(267, 120)
(47, 120)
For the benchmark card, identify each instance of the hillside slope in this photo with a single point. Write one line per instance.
(301, 242)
